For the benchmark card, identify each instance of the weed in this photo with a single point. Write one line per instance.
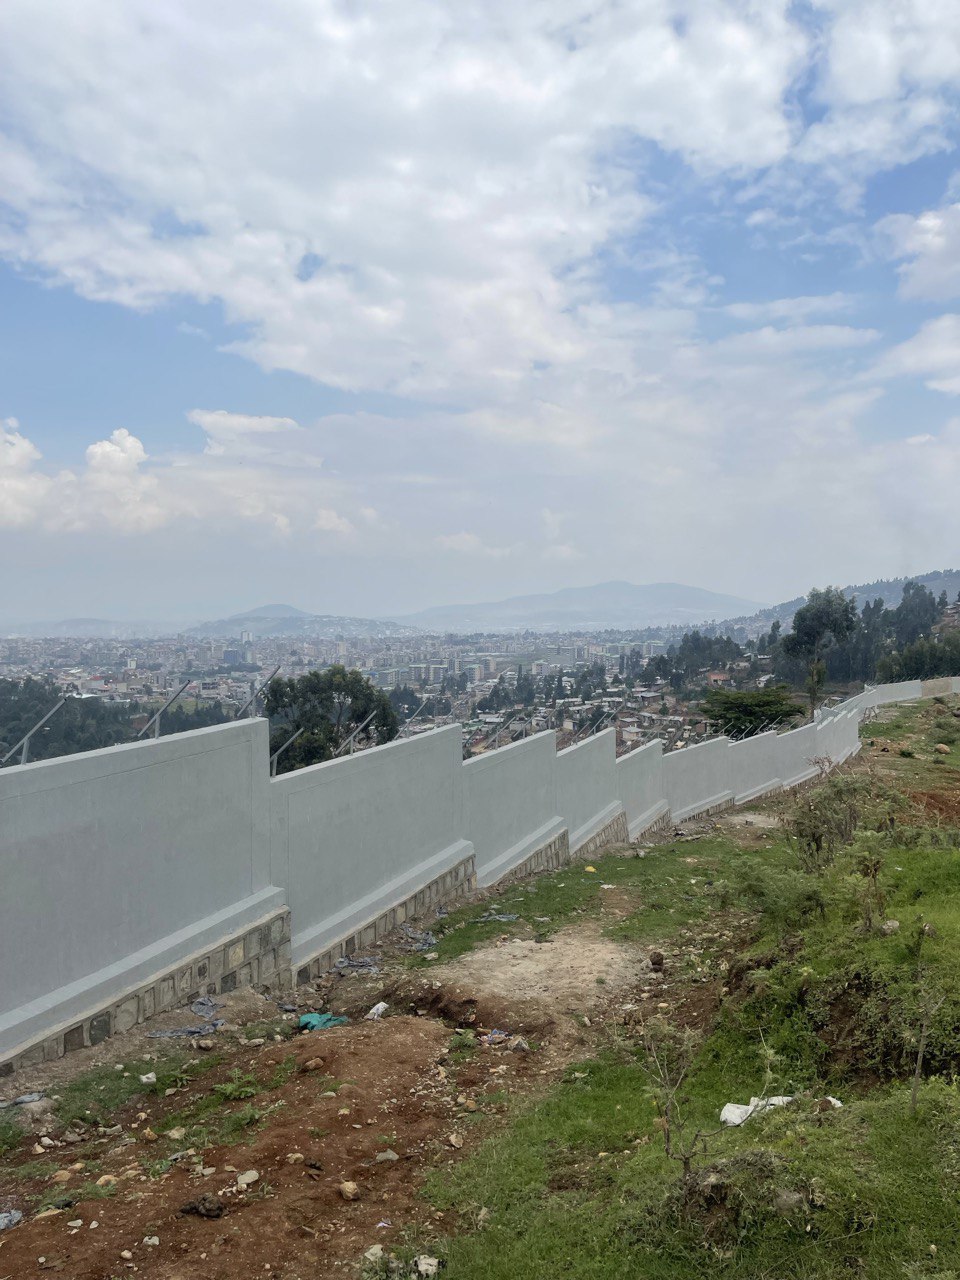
(238, 1087)
(283, 1072)
(11, 1134)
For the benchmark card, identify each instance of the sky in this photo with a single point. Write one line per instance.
(369, 307)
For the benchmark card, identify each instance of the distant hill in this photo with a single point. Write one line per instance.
(87, 629)
(889, 590)
(285, 620)
(606, 605)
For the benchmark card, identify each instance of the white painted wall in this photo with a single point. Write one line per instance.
(698, 778)
(114, 864)
(510, 804)
(354, 836)
(117, 864)
(640, 787)
(587, 793)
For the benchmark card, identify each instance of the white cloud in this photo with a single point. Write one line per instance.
(933, 353)
(470, 544)
(790, 310)
(330, 521)
(929, 246)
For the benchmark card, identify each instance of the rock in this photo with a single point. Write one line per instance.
(148, 1135)
(126, 1255)
(424, 1265)
(785, 1201)
(256, 1042)
(374, 1253)
(942, 749)
(47, 1143)
(349, 1191)
(455, 1141)
(205, 1206)
(205, 1045)
(386, 1157)
(77, 1222)
(247, 1179)
(518, 1044)
(295, 1157)
(45, 1213)
(312, 1064)
(890, 926)
(151, 1241)
(107, 1180)
(61, 1176)
(149, 1078)
(656, 961)
(176, 1134)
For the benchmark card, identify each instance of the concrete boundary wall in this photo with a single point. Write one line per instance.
(115, 865)
(148, 872)
(587, 794)
(356, 837)
(510, 805)
(640, 787)
(696, 780)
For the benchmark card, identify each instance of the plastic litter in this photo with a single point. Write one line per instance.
(417, 940)
(10, 1218)
(320, 1021)
(503, 917)
(22, 1100)
(735, 1113)
(377, 1012)
(496, 1039)
(205, 1007)
(357, 964)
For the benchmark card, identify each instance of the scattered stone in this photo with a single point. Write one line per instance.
(205, 1206)
(374, 1253)
(455, 1141)
(77, 1222)
(149, 1078)
(426, 1266)
(148, 1135)
(61, 1176)
(205, 1045)
(151, 1241)
(107, 1180)
(295, 1157)
(942, 749)
(890, 926)
(208, 1171)
(386, 1157)
(10, 1218)
(44, 1213)
(349, 1191)
(247, 1179)
(256, 1042)
(656, 961)
(126, 1255)
(312, 1064)
(176, 1134)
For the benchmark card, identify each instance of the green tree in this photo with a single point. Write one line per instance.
(828, 618)
(328, 706)
(742, 713)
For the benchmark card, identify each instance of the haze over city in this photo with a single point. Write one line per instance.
(374, 310)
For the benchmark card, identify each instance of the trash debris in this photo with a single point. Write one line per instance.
(418, 940)
(502, 917)
(10, 1218)
(22, 1100)
(496, 1039)
(735, 1113)
(589, 868)
(320, 1021)
(425, 1265)
(377, 1012)
(357, 964)
(204, 1007)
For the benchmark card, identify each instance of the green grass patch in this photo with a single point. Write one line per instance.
(97, 1095)
(11, 1135)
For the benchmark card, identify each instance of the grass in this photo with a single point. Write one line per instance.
(674, 886)
(96, 1096)
(579, 1185)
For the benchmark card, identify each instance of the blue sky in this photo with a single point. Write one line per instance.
(377, 307)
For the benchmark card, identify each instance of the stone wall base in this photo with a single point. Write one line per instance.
(260, 956)
(453, 886)
(549, 857)
(613, 832)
